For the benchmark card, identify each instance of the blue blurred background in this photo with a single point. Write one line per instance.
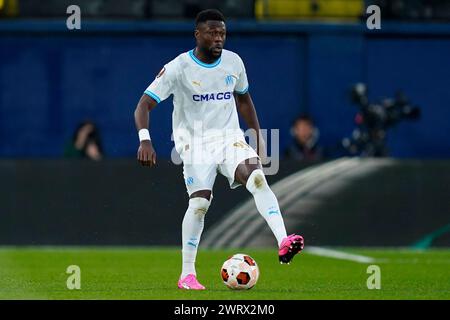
(301, 57)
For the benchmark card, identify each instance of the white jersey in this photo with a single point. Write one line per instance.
(203, 95)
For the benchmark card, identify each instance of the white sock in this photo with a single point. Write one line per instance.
(192, 228)
(266, 203)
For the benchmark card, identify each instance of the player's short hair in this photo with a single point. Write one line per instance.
(303, 117)
(209, 14)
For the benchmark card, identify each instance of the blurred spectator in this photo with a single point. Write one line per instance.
(305, 146)
(85, 143)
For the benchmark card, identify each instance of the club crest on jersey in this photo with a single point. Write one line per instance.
(229, 80)
(212, 96)
(161, 72)
(189, 181)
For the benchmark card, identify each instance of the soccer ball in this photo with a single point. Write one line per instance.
(240, 272)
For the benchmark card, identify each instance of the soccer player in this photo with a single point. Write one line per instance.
(209, 85)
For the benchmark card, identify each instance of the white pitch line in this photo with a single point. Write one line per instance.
(335, 254)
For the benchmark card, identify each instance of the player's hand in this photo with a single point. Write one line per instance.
(146, 155)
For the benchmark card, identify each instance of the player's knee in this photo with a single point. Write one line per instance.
(207, 194)
(257, 181)
(199, 205)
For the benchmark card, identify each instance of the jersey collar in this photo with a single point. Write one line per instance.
(205, 65)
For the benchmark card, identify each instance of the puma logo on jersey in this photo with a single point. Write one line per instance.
(197, 83)
(212, 96)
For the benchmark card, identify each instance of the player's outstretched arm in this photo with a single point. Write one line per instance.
(247, 111)
(146, 154)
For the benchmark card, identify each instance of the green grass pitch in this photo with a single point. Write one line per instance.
(152, 273)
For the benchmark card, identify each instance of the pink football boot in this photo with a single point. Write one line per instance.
(190, 282)
(290, 246)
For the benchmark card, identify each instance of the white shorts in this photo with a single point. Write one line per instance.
(202, 162)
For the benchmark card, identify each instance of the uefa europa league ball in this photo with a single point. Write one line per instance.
(240, 272)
